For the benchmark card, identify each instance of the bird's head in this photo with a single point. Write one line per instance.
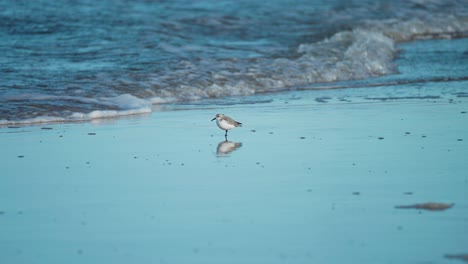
(217, 116)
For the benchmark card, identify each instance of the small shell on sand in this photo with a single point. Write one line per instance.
(427, 206)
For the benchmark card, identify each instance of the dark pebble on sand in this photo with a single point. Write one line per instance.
(302, 137)
(407, 133)
(356, 193)
(20, 156)
(92, 134)
(323, 99)
(380, 138)
(460, 139)
(408, 193)
(253, 130)
(2, 213)
(427, 206)
(463, 112)
(423, 136)
(271, 133)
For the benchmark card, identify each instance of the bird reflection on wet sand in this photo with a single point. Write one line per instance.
(226, 147)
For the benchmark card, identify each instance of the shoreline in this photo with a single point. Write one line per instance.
(404, 77)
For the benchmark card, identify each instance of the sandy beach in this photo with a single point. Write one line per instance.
(313, 176)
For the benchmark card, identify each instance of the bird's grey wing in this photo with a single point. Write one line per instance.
(232, 121)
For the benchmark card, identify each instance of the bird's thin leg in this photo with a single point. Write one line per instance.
(225, 134)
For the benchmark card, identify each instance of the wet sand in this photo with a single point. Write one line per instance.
(311, 177)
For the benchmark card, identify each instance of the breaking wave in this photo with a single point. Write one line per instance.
(345, 45)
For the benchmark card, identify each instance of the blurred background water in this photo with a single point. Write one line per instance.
(82, 59)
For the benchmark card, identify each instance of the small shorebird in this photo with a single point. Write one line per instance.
(226, 123)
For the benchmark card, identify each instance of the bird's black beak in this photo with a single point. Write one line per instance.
(213, 119)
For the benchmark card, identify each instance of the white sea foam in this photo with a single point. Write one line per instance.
(126, 104)
(97, 114)
(368, 50)
(436, 26)
(35, 120)
(76, 117)
(126, 101)
(346, 55)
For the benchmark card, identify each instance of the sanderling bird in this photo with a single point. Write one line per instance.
(226, 123)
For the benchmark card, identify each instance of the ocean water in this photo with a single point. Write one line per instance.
(82, 59)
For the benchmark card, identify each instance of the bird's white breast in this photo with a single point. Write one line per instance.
(224, 125)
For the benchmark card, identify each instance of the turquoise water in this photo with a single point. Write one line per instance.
(316, 179)
(82, 60)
